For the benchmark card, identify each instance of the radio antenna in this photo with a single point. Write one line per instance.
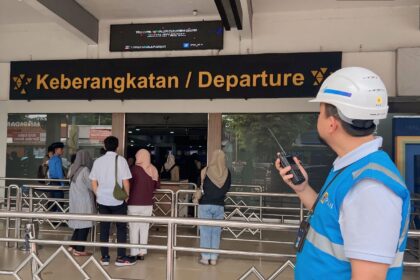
(277, 141)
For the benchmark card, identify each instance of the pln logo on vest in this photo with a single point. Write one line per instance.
(325, 200)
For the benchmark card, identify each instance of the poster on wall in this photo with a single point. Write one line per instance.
(291, 75)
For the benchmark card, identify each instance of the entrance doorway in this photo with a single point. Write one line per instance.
(182, 135)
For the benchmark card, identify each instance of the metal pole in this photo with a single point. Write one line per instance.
(261, 212)
(8, 207)
(18, 206)
(175, 215)
(170, 254)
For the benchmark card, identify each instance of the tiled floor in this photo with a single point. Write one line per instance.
(154, 266)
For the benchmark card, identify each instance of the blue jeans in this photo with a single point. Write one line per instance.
(210, 236)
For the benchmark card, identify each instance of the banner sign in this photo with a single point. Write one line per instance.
(204, 77)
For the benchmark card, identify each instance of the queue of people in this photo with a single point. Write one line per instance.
(92, 189)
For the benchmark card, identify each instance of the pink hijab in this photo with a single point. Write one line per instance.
(143, 160)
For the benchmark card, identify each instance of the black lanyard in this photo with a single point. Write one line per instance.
(305, 225)
(311, 212)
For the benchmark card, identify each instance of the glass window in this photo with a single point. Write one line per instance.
(251, 149)
(28, 136)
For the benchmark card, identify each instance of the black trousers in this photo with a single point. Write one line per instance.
(121, 228)
(56, 194)
(80, 234)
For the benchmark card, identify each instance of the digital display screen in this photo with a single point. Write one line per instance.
(197, 35)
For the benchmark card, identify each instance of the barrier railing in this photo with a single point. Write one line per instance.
(15, 199)
(241, 211)
(171, 248)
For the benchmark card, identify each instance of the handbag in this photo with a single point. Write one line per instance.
(118, 193)
(200, 191)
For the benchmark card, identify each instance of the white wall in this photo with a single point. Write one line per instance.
(347, 30)
(4, 81)
(39, 41)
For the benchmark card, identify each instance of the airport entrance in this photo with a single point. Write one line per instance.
(182, 135)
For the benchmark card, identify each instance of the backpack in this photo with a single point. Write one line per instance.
(166, 174)
(42, 173)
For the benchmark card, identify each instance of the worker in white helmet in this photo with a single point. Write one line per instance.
(357, 226)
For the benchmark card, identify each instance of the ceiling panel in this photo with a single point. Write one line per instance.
(15, 12)
(274, 6)
(126, 9)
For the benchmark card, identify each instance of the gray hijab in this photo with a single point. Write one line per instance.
(83, 159)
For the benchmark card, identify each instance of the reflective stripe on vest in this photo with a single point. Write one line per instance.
(377, 167)
(336, 250)
(324, 244)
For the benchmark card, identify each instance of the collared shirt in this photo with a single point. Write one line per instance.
(370, 215)
(103, 171)
(55, 169)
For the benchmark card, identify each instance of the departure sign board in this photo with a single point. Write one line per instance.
(198, 35)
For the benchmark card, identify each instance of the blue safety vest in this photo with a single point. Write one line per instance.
(322, 256)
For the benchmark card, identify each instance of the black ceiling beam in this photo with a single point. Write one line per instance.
(237, 13)
(222, 14)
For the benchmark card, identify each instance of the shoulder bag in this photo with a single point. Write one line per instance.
(118, 193)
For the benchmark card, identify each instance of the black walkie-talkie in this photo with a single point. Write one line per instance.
(287, 160)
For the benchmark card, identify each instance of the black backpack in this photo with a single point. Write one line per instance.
(166, 174)
(42, 173)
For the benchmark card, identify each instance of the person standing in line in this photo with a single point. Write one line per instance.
(142, 186)
(103, 182)
(43, 169)
(81, 199)
(170, 170)
(358, 223)
(216, 181)
(55, 170)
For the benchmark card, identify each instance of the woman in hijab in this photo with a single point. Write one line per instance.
(81, 199)
(144, 182)
(170, 170)
(216, 182)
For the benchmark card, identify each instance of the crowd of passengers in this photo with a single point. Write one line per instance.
(94, 189)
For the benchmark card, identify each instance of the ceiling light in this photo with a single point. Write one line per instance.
(172, 132)
(137, 129)
(130, 131)
(195, 12)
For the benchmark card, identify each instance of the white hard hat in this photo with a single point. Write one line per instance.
(358, 94)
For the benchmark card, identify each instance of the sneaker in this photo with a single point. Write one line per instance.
(81, 254)
(204, 261)
(213, 262)
(105, 261)
(125, 261)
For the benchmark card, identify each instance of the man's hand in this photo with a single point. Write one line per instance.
(306, 194)
(287, 178)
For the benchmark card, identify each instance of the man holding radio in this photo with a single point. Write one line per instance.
(357, 226)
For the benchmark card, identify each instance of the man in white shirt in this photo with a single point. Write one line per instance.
(103, 183)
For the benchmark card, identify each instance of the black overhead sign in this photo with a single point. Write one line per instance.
(202, 77)
(196, 35)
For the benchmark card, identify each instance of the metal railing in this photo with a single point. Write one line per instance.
(170, 247)
(15, 197)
